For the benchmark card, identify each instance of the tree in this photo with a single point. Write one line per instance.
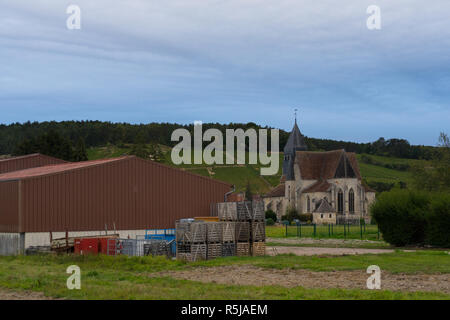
(435, 177)
(51, 144)
(80, 150)
(155, 152)
(248, 192)
(140, 148)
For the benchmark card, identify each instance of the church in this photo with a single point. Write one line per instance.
(327, 185)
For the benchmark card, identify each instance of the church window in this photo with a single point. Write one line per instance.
(308, 204)
(351, 201)
(340, 201)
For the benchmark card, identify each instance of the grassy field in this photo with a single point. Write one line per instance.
(105, 277)
(240, 175)
(370, 232)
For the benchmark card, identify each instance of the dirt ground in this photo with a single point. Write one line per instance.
(251, 275)
(312, 251)
(21, 295)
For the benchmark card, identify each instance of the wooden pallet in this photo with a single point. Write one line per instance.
(214, 250)
(228, 231)
(242, 232)
(258, 231)
(242, 249)
(258, 213)
(258, 248)
(192, 252)
(191, 232)
(214, 232)
(244, 210)
(228, 249)
(227, 211)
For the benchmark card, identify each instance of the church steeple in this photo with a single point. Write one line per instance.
(296, 142)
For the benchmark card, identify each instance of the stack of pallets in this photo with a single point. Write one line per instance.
(191, 240)
(214, 239)
(258, 229)
(240, 231)
(244, 214)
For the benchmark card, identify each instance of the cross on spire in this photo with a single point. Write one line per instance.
(295, 114)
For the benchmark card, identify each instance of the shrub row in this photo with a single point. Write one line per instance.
(407, 217)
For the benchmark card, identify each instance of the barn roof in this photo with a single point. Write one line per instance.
(55, 168)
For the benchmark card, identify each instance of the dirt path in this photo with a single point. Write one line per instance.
(313, 251)
(6, 294)
(251, 275)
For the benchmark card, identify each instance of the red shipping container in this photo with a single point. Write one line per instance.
(107, 246)
(77, 246)
(86, 246)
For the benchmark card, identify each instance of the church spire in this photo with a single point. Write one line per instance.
(296, 142)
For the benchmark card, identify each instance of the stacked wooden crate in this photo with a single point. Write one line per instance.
(244, 215)
(258, 229)
(240, 231)
(214, 239)
(191, 238)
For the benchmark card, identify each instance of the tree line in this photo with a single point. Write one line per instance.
(19, 138)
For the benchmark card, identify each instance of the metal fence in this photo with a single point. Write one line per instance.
(139, 247)
(11, 244)
(343, 231)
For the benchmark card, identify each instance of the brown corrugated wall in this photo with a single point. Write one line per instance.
(26, 162)
(132, 193)
(9, 206)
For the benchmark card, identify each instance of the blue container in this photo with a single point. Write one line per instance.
(162, 234)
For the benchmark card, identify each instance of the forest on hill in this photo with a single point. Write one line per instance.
(23, 138)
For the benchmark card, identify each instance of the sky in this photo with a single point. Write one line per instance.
(142, 61)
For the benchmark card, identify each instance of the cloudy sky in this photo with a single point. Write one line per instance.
(232, 61)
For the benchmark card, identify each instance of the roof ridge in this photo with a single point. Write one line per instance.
(21, 174)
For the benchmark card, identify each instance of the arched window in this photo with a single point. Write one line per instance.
(351, 201)
(340, 202)
(308, 204)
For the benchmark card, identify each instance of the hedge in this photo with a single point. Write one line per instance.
(407, 217)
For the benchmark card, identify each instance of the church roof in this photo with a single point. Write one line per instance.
(319, 186)
(278, 191)
(296, 141)
(327, 165)
(324, 207)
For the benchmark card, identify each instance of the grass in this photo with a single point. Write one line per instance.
(239, 175)
(105, 277)
(358, 245)
(324, 232)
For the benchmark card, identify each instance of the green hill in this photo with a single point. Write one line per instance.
(376, 172)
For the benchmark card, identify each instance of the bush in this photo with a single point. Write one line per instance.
(305, 217)
(271, 215)
(438, 226)
(270, 222)
(291, 214)
(401, 216)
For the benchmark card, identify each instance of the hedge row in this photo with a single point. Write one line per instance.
(407, 217)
